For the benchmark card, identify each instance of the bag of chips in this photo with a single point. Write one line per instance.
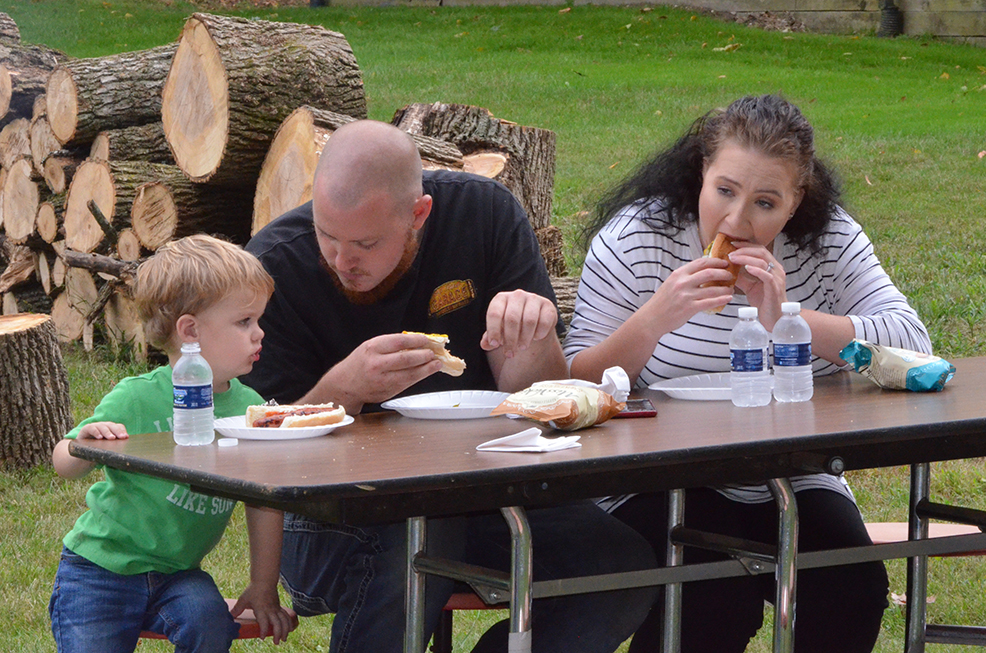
(561, 406)
(898, 369)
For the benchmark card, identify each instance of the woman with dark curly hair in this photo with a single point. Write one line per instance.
(750, 172)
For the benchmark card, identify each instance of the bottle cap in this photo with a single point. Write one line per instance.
(190, 347)
(748, 313)
(790, 308)
(228, 442)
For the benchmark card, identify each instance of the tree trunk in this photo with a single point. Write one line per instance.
(234, 80)
(137, 143)
(91, 182)
(9, 32)
(15, 141)
(20, 198)
(529, 169)
(289, 168)
(168, 205)
(34, 394)
(87, 96)
(27, 69)
(566, 289)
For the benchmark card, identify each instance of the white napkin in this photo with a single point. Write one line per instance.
(530, 441)
(615, 383)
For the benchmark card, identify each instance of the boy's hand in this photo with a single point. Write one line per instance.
(270, 616)
(103, 431)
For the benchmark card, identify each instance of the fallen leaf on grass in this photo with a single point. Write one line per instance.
(614, 165)
(867, 178)
(945, 76)
(565, 10)
(901, 599)
(982, 154)
(728, 48)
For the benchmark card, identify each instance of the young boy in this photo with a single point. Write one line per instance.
(131, 562)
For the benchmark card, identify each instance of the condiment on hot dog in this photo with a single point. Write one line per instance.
(720, 248)
(451, 365)
(294, 416)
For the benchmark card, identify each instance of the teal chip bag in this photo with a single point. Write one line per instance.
(898, 369)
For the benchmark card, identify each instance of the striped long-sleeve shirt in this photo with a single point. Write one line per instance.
(629, 259)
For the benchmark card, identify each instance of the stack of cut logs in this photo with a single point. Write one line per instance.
(103, 160)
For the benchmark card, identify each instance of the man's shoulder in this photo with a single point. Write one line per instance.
(285, 230)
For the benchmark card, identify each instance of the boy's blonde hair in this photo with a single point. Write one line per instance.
(189, 275)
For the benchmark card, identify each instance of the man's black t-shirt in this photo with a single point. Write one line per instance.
(476, 243)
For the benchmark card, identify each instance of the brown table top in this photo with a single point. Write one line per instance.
(385, 466)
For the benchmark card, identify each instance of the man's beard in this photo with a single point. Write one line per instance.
(383, 288)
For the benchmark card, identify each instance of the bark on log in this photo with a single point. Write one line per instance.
(169, 206)
(15, 142)
(137, 143)
(125, 271)
(566, 289)
(91, 182)
(550, 242)
(289, 167)
(20, 198)
(28, 68)
(87, 96)
(233, 81)
(529, 170)
(29, 297)
(9, 32)
(34, 392)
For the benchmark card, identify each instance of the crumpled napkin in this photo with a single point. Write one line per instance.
(615, 383)
(530, 440)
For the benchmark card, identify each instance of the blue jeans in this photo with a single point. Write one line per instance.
(94, 609)
(359, 574)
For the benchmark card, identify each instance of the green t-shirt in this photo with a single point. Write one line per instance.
(136, 523)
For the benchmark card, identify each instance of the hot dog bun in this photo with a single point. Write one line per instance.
(720, 248)
(296, 416)
(451, 365)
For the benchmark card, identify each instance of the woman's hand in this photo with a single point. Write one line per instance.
(762, 280)
(682, 296)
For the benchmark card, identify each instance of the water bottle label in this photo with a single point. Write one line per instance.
(193, 396)
(792, 355)
(746, 360)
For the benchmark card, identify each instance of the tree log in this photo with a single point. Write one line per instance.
(15, 142)
(550, 242)
(123, 326)
(49, 222)
(43, 272)
(28, 68)
(125, 271)
(529, 169)
(136, 143)
(128, 245)
(9, 32)
(43, 143)
(20, 267)
(233, 81)
(58, 170)
(286, 176)
(20, 198)
(68, 321)
(92, 182)
(86, 96)
(34, 392)
(566, 289)
(169, 206)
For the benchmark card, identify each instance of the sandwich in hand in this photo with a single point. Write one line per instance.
(452, 365)
(720, 248)
(302, 415)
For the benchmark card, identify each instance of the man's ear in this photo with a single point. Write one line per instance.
(187, 328)
(422, 209)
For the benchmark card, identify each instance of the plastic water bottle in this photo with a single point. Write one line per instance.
(749, 379)
(192, 379)
(792, 355)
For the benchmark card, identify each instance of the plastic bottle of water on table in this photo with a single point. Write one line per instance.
(792, 355)
(192, 380)
(749, 379)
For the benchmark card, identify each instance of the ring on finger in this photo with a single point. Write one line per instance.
(770, 266)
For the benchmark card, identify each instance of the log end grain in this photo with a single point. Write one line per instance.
(92, 181)
(63, 104)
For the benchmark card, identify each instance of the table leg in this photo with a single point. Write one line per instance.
(414, 592)
(917, 567)
(520, 582)
(671, 642)
(786, 573)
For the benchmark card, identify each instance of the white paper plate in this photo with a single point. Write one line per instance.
(456, 404)
(235, 427)
(703, 387)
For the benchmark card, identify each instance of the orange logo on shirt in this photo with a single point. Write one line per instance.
(451, 296)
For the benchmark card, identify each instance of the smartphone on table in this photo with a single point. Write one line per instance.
(638, 408)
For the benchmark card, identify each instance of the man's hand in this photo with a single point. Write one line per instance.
(515, 319)
(376, 371)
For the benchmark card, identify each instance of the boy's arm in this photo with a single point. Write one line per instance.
(265, 527)
(67, 465)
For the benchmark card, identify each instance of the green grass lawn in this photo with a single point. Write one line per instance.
(902, 120)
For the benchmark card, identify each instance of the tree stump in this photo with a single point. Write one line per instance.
(34, 395)
(87, 96)
(234, 80)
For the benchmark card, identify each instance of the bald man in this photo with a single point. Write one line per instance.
(384, 248)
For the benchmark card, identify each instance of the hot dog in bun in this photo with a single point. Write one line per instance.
(720, 248)
(452, 365)
(294, 416)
